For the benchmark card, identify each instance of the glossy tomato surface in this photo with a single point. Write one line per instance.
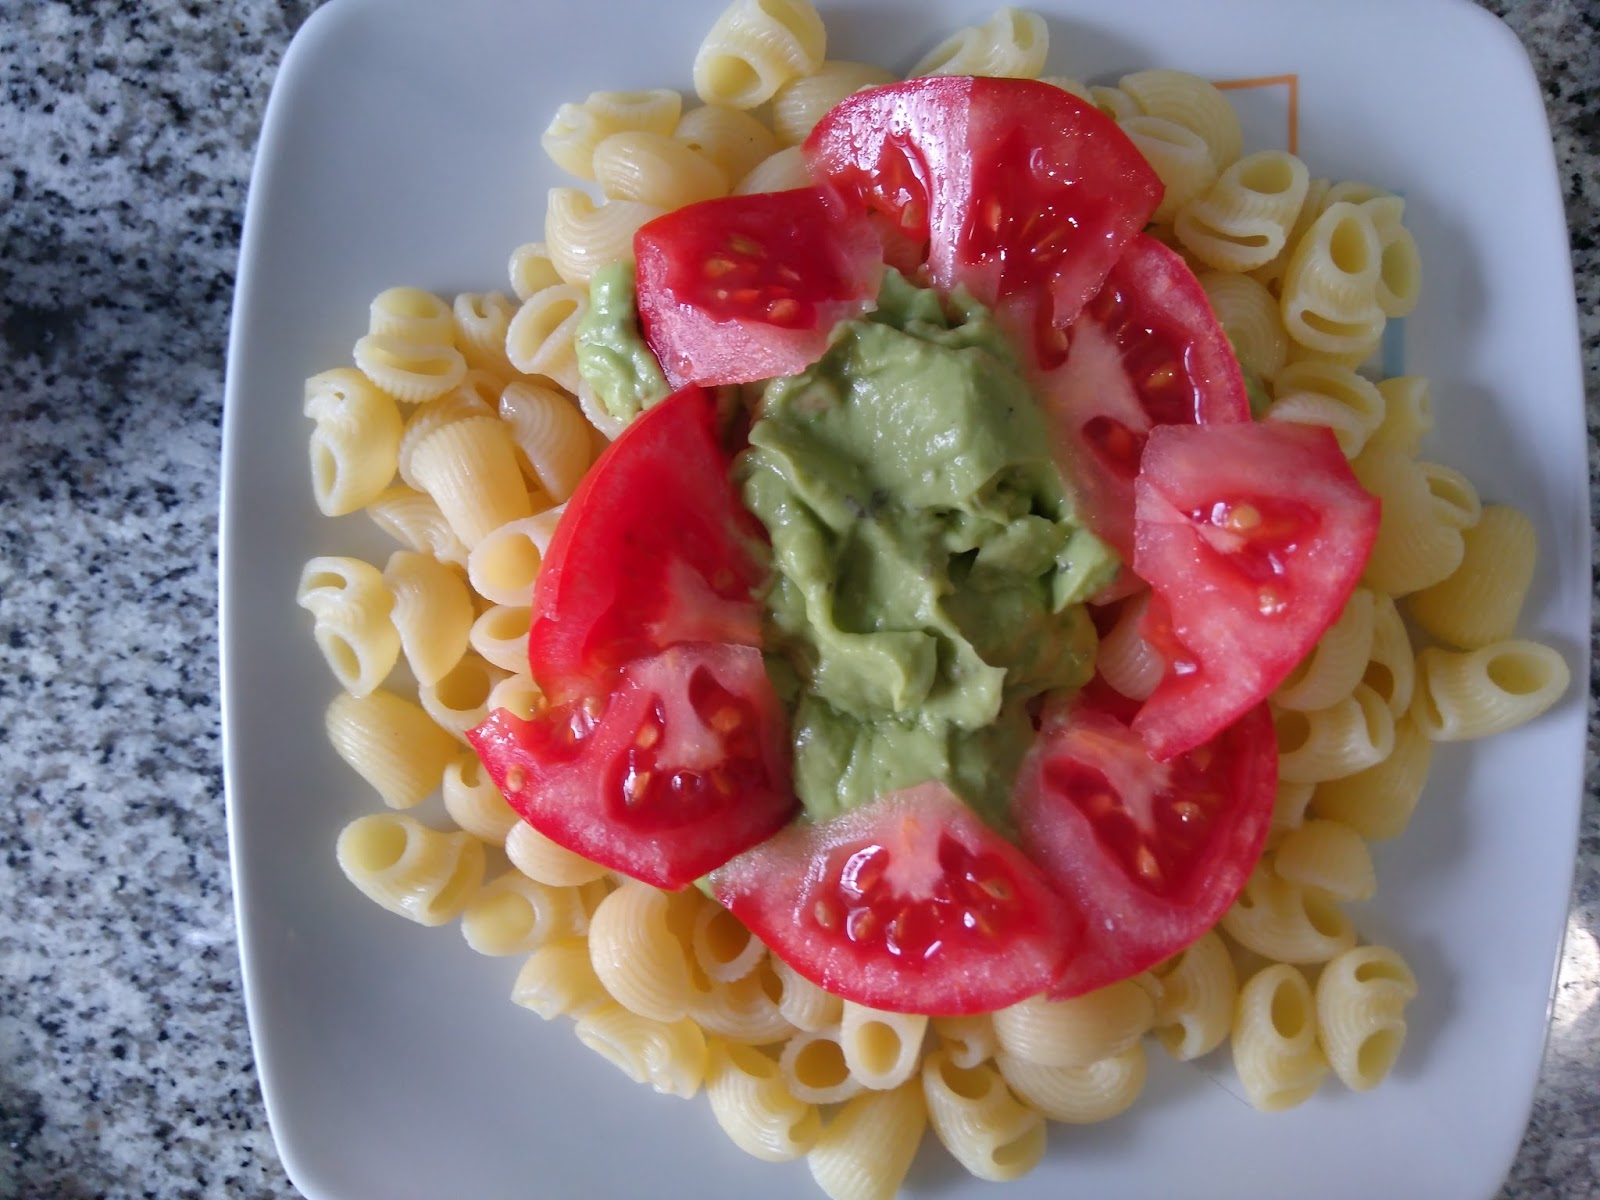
(749, 287)
(682, 766)
(1146, 351)
(1252, 537)
(1148, 854)
(909, 903)
(654, 550)
(1000, 185)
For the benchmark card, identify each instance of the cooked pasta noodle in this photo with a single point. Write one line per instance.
(1418, 544)
(1330, 284)
(551, 436)
(558, 980)
(779, 172)
(351, 605)
(473, 801)
(1131, 665)
(1195, 1011)
(512, 914)
(577, 129)
(744, 1010)
(668, 1055)
(1194, 103)
(581, 237)
(1378, 802)
(1079, 1031)
(880, 1048)
(1329, 856)
(432, 613)
(411, 870)
(391, 743)
(530, 270)
(814, 1069)
(866, 1149)
(801, 103)
(469, 469)
(805, 1005)
(1479, 602)
(516, 693)
(754, 1108)
(1361, 1000)
(1241, 219)
(1336, 663)
(637, 955)
(1476, 693)
(1289, 805)
(655, 169)
(1179, 157)
(539, 337)
(1079, 1095)
(356, 444)
(1114, 102)
(1392, 671)
(480, 330)
(729, 137)
(1328, 743)
(1291, 924)
(459, 700)
(410, 314)
(414, 520)
(1407, 413)
(754, 48)
(411, 372)
(1249, 315)
(537, 857)
(1275, 1048)
(983, 1125)
(723, 947)
(967, 1041)
(1013, 42)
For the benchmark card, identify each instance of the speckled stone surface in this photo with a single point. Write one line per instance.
(126, 135)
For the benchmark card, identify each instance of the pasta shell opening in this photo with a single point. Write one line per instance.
(375, 844)
(1290, 1013)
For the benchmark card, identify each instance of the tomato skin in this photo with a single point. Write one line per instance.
(648, 782)
(1252, 538)
(829, 899)
(654, 550)
(1089, 849)
(1146, 350)
(749, 287)
(1011, 184)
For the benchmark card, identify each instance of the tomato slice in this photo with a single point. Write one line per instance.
(1150, 854)
(749, 287)
(1146, 351)
(654, 550)
(910, 904)
(1010, 184)
(683, 766)
(1252, 536)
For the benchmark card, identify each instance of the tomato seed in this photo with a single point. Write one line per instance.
(516, 779)
(862, 924)
(826, 914)
(783, 310)
(740, 244)
(726, 719)
(718, 267)
(649, 735)
(1147, 865)
(633, 788)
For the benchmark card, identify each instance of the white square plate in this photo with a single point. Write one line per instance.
(401, 146)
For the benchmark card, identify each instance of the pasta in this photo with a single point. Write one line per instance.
(414, 520)
(1361, 999)
(1407, 413)
(866, 1150)
(411, 372)
(724, 949)
(474, 803)
(581, 237)
(459, 700)
(655, 169)
(637, 956)
(814, 1067)
(391, 743)
(669, 1056)
(576, 129)
(1416, 546)
(754, 48)
(469, 469)
(805, 1005)
(411, 870)
(744, 1010)
(558, 980)
(1486, 691)
(1275, 1048)
(1242, 221)
(432, 613)
(1330, 300)
(778, 172)
(753, 1107)
(1338, 661)
(551, 437)
(1013, 42)
(1378, 802)
(985, 1128)
(730, 138)
(511, 914)
(1192, 102)
(1328, 856)
(1286, 923)
(539, 337)
(530, 270)
(1248, 314)
(351, 605)
(881, 1049)
(500, 635)
(1478, 603)
(1331, 742)
(480, 330)
(537, 857)
(967, 1041)
(356, 445)
(1178, 155)
(800, 103)
(1195, 1011)
(1076, 1032)
(1079, 1095)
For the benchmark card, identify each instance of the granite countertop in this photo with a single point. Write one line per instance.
(126, 130)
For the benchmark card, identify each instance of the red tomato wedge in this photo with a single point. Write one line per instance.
(1150, 854)
(1146, 351)
(910, 903)
(654, 550)
(749, 287)
(1252, 536)
(683, 766)
(1011, 185)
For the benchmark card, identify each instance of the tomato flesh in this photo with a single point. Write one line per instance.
(654, 550)
(681, 767)
(1150, 854)
(749, 287)
(1012, 185)
(909, 904)
(1252, 538)
(1146, 351)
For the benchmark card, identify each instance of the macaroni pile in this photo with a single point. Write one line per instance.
(464, 427)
